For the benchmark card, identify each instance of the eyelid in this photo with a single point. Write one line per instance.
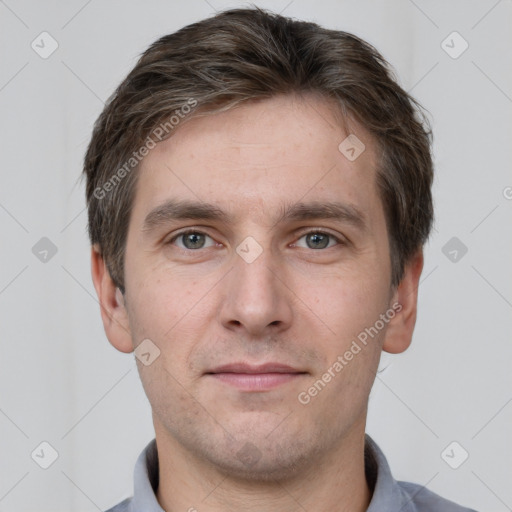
(310, 230)
(340, 239)
(186, 231)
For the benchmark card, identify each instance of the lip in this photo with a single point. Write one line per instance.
(255, 369)
(247, 377)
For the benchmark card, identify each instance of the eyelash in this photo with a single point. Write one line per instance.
(338, 240)
(320, 231)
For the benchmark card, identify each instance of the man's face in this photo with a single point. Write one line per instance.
(253, 288)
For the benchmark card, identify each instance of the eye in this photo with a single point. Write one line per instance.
(318, 240)
(191, 240)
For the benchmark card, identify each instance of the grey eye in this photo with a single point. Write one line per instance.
(192, 240)
(317, 240)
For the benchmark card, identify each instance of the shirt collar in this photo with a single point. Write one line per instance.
(387, 494)
(145, 481)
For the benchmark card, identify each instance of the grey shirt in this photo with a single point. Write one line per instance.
(388, 494)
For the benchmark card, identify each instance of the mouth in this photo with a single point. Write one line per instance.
(255, 378)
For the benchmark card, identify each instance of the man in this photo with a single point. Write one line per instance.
(259, 193)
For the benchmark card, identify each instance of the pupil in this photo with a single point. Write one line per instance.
(317, 237)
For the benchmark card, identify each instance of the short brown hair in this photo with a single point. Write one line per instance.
(247, 54)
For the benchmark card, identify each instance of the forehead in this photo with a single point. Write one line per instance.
(259, 156)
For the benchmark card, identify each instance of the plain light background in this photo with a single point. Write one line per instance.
(61, 382)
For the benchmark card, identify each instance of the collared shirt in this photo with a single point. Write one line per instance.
(388, 494)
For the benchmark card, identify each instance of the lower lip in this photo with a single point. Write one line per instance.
(256, 381)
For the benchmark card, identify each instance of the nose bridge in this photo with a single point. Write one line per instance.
(255, 298)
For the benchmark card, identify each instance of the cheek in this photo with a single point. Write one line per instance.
(161, 295)
(350, 308)
(172, 311)
(346, 304)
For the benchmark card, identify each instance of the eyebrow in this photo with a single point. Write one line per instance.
(336, 210)
(176, 209)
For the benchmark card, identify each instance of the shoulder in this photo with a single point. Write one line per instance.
(423, 500)
(123, 506)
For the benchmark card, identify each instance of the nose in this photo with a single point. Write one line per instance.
(257, 301)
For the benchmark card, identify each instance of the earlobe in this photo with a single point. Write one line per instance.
(112, 304)
(399, 332)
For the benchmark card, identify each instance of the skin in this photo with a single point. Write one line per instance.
(219, 447)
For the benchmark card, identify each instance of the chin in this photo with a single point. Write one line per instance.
(251, 463)
(257, 456)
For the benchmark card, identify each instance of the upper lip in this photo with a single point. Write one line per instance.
(255, 369)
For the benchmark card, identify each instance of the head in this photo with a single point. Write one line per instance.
(302, 173)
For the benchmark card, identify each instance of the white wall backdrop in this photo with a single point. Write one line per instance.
(62, 383)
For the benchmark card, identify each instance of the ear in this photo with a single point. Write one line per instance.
(113, 309)
(398, 335)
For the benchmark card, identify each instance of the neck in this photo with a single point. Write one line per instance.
(336, 481)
